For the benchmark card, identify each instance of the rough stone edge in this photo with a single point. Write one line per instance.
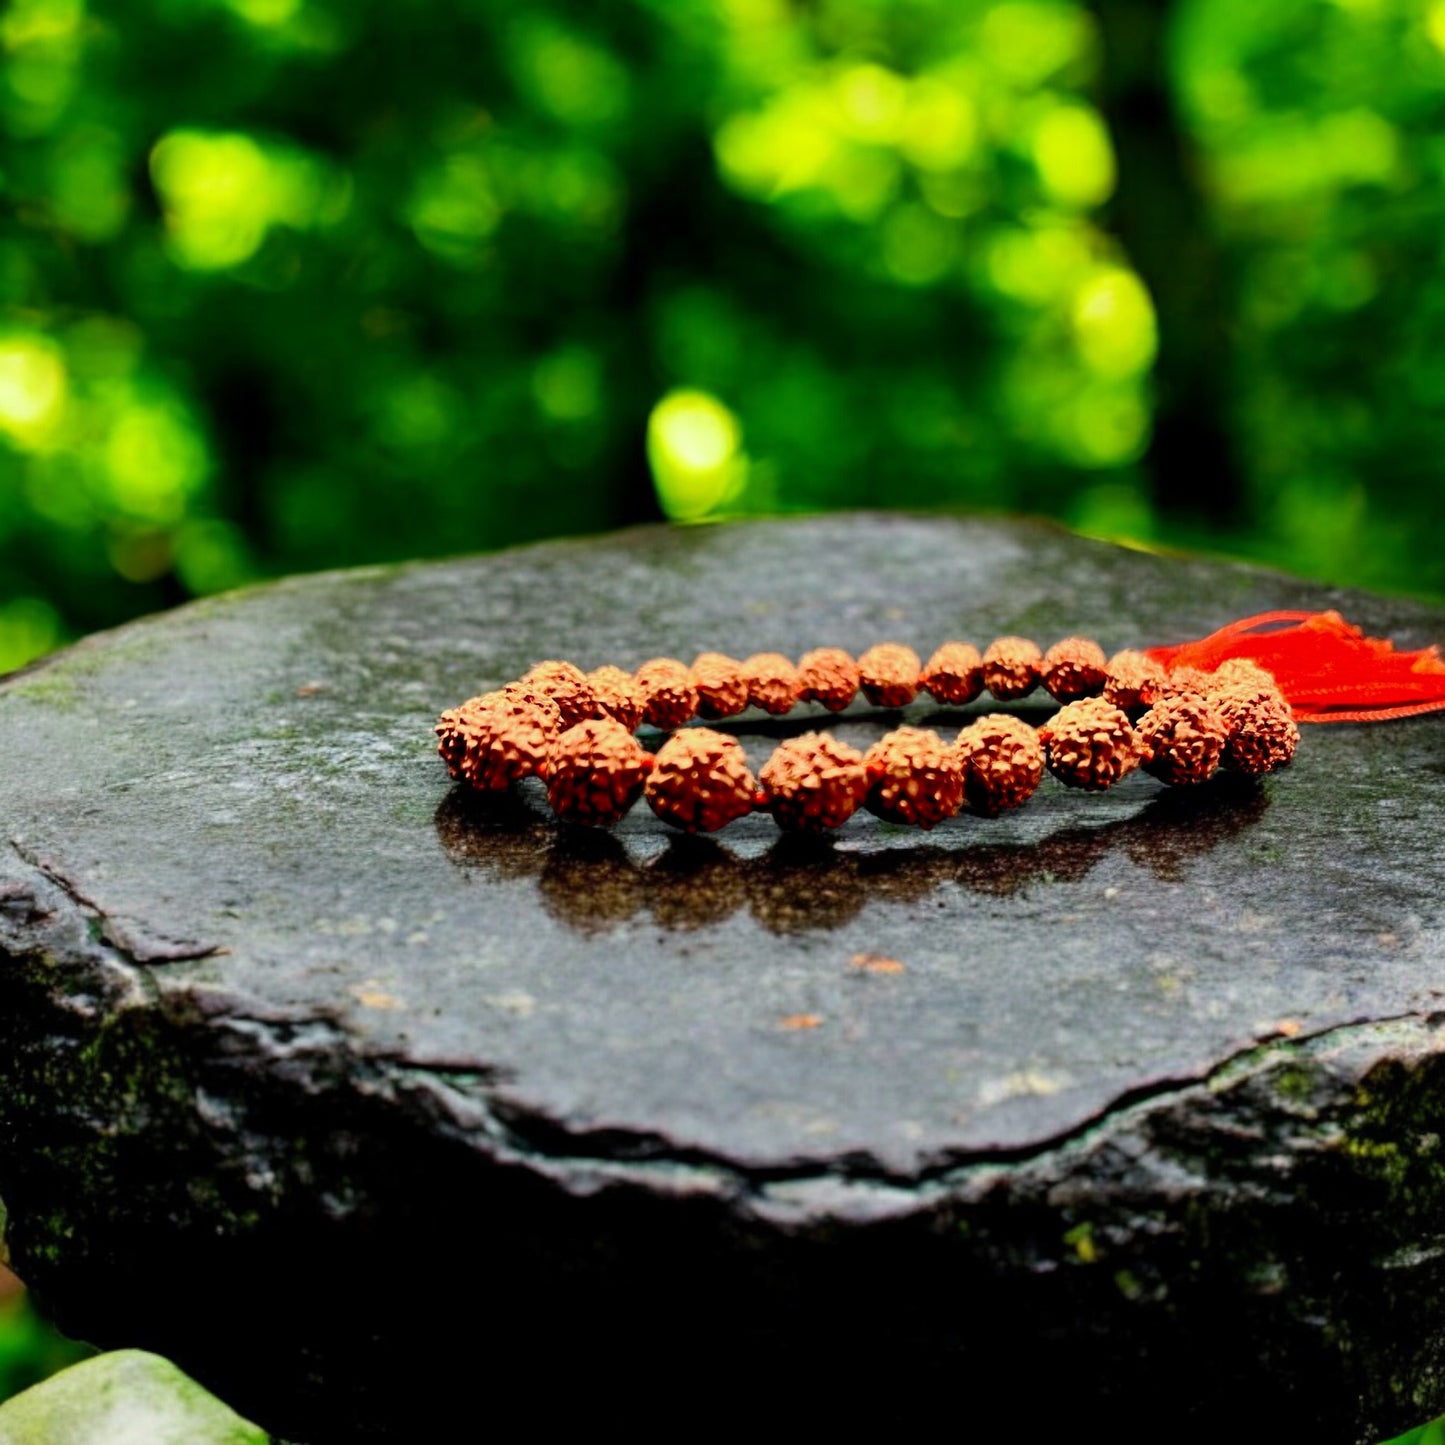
(1349, 1114)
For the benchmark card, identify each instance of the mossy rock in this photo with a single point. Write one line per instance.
(303, 1046)
(127, 1397)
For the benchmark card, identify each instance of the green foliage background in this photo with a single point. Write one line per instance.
(295, 283)
(30, 1349)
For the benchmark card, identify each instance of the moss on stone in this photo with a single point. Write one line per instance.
(127, 1395)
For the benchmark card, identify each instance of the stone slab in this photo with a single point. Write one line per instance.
(1150, 1061)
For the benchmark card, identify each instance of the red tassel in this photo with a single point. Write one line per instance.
(1328, 670)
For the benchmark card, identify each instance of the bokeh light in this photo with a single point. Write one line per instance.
(293, 284)
(33, 385)
(693, 445)
(223, 192)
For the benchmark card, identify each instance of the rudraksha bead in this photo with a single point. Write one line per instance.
(772, 681)
(700, 781)
(829, 676)
(888, 674)
(812, 783)
(1000, 762)
(1262, 730)
(1181, 739)
(566, 685)
(669, 695)
(1011, 667)
(1089, 744)
(617, 696)
(1187, 682)
(914, 777)
(722, 689)
(452, 728)
(596, 771)
(525, 690)
(954, 674)
(1237, 671)
(497, 739)
(1133, 680)
(1072, 669)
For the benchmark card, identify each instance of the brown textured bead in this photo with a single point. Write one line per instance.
(1181, 739)
(722, 690)
(827, 675)
(617, 696)
(451, 730)
(1000, 762)
(772, 681)
(493, 740)
(1089, 744)
(1073, 668)
(954, 674)
(1187, 682)
(914, 778)
(566, 685)
(669, 695)
(596, 771)
(700, 781)
(888, 674)
(1262, 730)
(524, 691)
(813, 782)
(1244, 670)
(1011, 667)
(1133, 680)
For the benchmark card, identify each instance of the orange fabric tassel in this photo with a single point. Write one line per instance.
(1328, 670)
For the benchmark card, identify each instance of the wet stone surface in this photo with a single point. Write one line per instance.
(299, 1037)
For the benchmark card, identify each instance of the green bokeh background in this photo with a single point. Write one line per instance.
(300, 283)
(290, 284)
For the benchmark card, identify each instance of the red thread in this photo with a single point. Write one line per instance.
(1328, 670)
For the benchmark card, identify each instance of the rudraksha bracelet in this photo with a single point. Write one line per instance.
(575, 731)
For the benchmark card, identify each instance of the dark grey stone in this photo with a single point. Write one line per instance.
(302, 1043)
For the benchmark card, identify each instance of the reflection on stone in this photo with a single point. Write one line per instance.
(695, 883)
(1064, 857)
(803, 883)
(589, 881)
(1185, 822)
(499, 833)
